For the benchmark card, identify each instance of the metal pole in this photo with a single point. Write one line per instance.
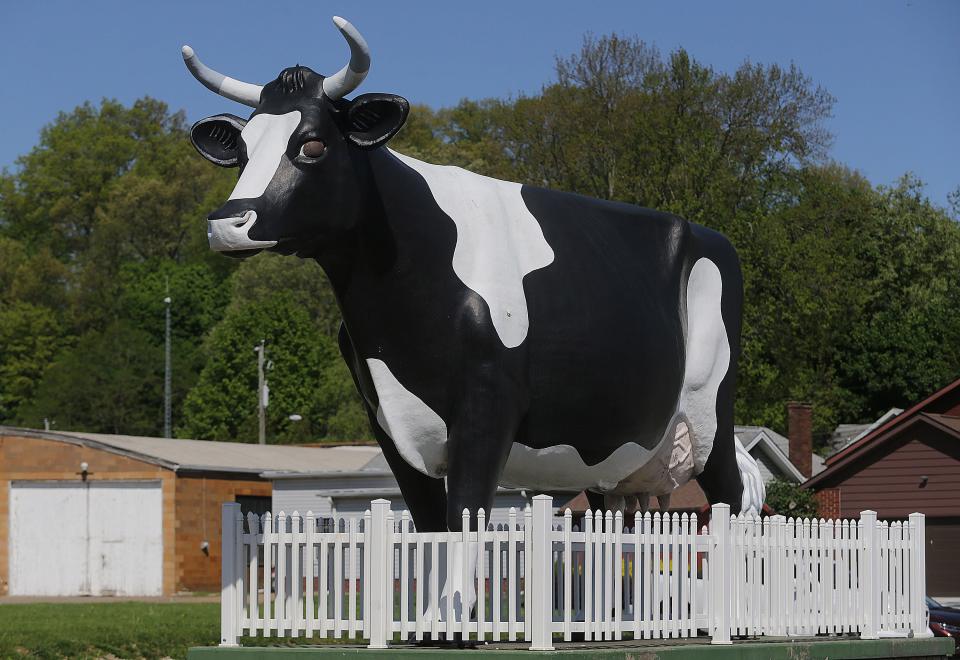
(167, 376)
(260, 408)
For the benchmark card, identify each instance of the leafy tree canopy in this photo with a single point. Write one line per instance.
(300, 374)
(789, 499)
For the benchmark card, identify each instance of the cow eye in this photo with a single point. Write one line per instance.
(313, 149)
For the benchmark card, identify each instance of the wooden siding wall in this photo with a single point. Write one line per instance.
(890, 484)
(943, 539)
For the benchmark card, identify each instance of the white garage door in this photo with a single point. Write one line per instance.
(95, 538)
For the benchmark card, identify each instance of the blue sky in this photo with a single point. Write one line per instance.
(894, 66)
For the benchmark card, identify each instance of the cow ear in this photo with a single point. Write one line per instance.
(372, 119)
(217, 139)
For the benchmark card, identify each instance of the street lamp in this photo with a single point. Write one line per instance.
(167, 375)
(263, 394)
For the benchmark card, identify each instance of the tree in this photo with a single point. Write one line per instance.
(110, 382)
(30, 337)
(906, 343)
(621, 122)
(223, 404)
(789, 499)
(52, 200)
(198, 296)
(803, 291)
(258, 279)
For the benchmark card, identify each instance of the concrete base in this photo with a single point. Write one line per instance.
(808, 648)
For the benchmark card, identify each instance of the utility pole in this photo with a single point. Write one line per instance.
(167, 375)
(261, 393)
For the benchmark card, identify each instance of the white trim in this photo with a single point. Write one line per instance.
(774, 452)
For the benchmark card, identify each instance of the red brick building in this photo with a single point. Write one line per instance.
(909, 463)
(84, 513)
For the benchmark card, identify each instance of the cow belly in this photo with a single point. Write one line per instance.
(688, 440)
(630, 469)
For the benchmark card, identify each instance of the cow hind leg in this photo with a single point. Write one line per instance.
(720, 478)
(714, 298)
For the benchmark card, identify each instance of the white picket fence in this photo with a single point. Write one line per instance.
(537, 577)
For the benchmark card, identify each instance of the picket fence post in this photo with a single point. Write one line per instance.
(541, 575)
(380, 586)
(870, 575)
(918, 576)
(720, 574)
(229, 575)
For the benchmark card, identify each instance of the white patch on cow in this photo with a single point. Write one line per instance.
(560, 467)
(708, 357)
(686, 444)
(419, 433)
(498, 241)
(266, 138)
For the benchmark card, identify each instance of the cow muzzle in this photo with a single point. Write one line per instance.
(231, 234)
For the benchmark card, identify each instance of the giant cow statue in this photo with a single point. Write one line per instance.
(498, 333)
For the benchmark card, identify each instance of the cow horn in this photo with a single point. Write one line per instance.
(218, 83)
(349, 77)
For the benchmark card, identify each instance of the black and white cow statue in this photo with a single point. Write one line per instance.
(498, 333)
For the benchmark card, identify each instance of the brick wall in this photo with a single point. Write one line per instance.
(198, 520)
(800, 436)
(828, 501)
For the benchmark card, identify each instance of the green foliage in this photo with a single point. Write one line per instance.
(197, 298)
(30, 336)
(789, 499)
(54, 197)
(111, 381)
(258, 279)
(223, 404)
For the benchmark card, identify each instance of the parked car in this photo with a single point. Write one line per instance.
(944, 621)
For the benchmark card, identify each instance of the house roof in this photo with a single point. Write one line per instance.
(773, 445)
(892, 422)
(923, 413)
(210, 456)
(749, 434)
(949, 421)
(846, 434)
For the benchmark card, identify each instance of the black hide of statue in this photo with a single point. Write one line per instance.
(603, 360)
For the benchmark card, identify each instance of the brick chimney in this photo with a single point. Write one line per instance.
(800, 433)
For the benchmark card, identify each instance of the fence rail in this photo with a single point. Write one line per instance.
(536, 576)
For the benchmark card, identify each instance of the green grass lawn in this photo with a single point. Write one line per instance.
(122, 630)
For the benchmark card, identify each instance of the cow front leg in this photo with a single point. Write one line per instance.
(478, 449)
(425, 497)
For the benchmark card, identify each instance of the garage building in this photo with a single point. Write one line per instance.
(91, 514)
